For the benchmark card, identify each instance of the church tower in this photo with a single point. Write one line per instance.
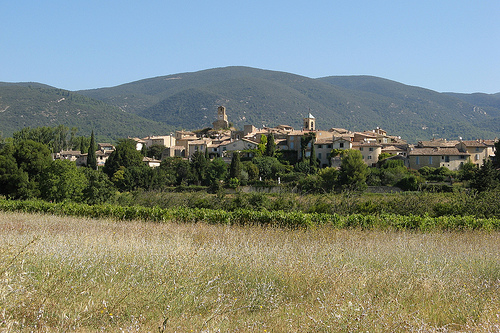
(309, 123)
(221, 121)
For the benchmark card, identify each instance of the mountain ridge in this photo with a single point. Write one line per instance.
(269, 98)
(262, 97)
(34, 105)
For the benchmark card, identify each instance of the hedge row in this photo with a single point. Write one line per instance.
(260, 217)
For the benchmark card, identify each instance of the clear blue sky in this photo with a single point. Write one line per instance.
(442, 45)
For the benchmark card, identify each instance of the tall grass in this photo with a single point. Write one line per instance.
(77, 274)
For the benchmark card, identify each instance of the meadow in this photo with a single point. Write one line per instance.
(85, 275)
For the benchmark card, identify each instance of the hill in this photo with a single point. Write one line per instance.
(252, 96)
(262, 97)
(33, 105)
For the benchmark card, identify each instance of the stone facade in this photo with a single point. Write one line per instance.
(221, 122)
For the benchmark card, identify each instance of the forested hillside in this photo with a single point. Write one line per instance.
(261, 97)
(252, 96)
(33, 105)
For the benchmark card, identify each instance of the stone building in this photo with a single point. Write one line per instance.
(221, 121)
(309, 123)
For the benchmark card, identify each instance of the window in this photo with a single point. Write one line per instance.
(291, 144)
(320, 146)
(477, 157)
(329, 146)
(341, 145)
(319, 155)
(430, 159)
(361, 149)
(447, 158)
(417, 160)
(369, 157)
(370, 149)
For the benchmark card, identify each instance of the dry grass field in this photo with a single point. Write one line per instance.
(74, 274)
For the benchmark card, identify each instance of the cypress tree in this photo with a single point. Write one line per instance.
(235, 168)
(91, 156)
(199, 166)
(312, 159)
(271, 145)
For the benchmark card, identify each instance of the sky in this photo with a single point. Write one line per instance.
(443, 45)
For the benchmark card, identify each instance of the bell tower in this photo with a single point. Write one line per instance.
(309, 123)
(221, 121)
(221, 113)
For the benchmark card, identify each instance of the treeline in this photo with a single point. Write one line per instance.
(55, 138)
(28, 171)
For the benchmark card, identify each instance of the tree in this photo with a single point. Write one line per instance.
(62, 181)
(137, 177)
(496, 157)
(383, 156)
(486, 178)
(183, 172)
(268, 167)
(199, 166)
(353, 171)
(56, 138)
(235, 168)
(98, 188)
(304, 142)
(91, 156)
(168, 169)
(467, 171)
(312, 159)
(270, 145)
(262, 145)
(155, 151)
(252, 170)
(14, 182)
(328, 177)
(216, 171)
(125, 155)
(32, 157)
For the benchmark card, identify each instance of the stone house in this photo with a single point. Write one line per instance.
(151, 162)
(174, 151)
(369, 150)
(163, 140)
(449, 157)
(237, 145)
(197, 145)
(479, 150)
(323, 148)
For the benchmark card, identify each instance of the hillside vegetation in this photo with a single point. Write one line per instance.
(261, 97)
(252, 96)
(37, 105)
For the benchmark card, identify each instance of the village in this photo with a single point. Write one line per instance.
(222, 140)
